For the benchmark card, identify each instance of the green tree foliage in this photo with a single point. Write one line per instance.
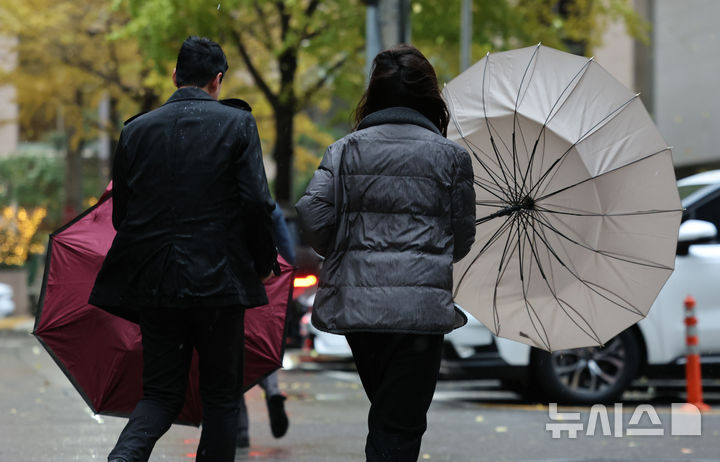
(292, 60)
(38, 181)
(292, 52)
(67, 63)
(573, 25)
(32, 182)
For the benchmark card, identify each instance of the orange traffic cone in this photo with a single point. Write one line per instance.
(693, 374)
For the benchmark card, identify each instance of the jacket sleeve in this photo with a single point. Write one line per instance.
(316, 208)
(463, 206)
(120, 189)
(282, 236)
(257, 203)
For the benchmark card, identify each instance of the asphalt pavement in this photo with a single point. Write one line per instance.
(42, 418)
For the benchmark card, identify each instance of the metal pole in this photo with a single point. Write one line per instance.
(373, 41)
(465, 34)
(404, 21)
(104, 138)
(387, 23)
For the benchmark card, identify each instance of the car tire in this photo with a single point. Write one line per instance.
(587, 375)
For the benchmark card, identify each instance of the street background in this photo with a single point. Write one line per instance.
(70, 76)
(43, 418)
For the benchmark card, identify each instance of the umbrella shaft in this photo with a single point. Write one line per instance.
(503, 212)
(527, 203)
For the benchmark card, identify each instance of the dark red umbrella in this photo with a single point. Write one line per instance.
(101, 353)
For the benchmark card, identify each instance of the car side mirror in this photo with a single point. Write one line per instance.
(694, 232)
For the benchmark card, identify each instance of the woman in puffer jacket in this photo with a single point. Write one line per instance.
(391, 207)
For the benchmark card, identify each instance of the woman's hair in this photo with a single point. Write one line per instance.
(402, 76)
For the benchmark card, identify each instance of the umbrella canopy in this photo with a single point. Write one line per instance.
(578, 210)
(100, 353)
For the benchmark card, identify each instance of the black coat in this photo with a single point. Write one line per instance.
(191, 208)
(391, 207)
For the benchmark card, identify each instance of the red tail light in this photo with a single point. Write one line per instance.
(305, 281)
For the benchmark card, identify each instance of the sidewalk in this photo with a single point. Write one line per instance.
(43, 418)
(17, 323)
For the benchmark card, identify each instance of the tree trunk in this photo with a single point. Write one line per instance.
(73, 168)
(283, 153)
(149, 100)
(285, 109)
(73, 182)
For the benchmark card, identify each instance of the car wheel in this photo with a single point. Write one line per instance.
(587, 375)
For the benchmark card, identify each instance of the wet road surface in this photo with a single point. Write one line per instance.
(42, 418)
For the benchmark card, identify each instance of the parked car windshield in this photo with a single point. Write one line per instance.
(686, 190)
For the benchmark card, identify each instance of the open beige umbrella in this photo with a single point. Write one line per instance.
(577, 207)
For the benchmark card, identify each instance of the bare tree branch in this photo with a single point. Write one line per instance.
(309, 11)
(88, 66)
(284, 21)
(312, 6)
(266, 40)
(259, 80)
(320, 83)
(307, 35)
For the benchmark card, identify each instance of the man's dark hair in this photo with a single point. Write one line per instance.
(199, 61)
(402, 76)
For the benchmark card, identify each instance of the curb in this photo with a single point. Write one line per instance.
(17, 324)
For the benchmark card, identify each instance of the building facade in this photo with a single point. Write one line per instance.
(9, 132)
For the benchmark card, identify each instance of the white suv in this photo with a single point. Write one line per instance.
(655, 347)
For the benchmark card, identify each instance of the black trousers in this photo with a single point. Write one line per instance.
(399, 373)
(168, 337)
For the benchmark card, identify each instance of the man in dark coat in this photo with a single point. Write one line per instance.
(194, 241)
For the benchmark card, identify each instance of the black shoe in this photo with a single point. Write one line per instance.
(117, 459)
(242, 441)
(278, 419)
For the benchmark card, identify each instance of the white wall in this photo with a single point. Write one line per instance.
(686, 43)
(616, 54)
(8, 109)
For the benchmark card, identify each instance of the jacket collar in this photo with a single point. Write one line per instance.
(397, 115)
(186, 93)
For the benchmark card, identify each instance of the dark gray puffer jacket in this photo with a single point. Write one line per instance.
(391, 207)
